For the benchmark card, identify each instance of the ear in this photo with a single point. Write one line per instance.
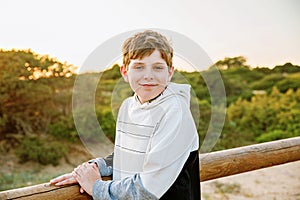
(123, 71)
(171, 72)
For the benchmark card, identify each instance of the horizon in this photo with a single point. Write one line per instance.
(179, 63)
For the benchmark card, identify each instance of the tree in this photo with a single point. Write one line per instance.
(286, 68)
(228, 63)
(28, 85)
(267, 116)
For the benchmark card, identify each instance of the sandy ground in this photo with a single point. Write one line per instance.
(280, 182)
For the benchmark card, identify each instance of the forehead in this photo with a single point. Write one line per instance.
(154, 57)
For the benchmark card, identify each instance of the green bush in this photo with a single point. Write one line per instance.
(87, 127)
(37, 150)
(108, 123)
(271, 136)
(267, 82)
(288, 83)
(64, 128)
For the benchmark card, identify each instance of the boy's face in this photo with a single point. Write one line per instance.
(148, 77)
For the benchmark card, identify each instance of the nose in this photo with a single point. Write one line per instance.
(148, 75)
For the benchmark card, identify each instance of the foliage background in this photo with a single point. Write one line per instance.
(36, 120)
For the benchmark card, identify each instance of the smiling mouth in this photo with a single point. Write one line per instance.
(148, 85)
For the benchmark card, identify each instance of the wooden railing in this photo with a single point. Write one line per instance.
(213, 165)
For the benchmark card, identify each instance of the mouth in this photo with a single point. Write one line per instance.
(148, 85)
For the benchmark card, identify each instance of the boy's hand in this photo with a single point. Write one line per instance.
(86, 175)
(64, 179)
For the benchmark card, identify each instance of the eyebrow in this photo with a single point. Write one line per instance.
(159, 63)
(139, 63)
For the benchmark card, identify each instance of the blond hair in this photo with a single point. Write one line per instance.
(143, 44)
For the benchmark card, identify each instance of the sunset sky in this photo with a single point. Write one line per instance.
(266, 32)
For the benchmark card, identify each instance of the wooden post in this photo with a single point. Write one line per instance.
(213, 165)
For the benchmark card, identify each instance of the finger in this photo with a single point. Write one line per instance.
(75, 175)
(95, 166)
(81, 190)
(80, 167)
(76, 168)
(76, 172)
(67, 181)
(57, 179)
(60, 178)
(85, 165)
(93, 163)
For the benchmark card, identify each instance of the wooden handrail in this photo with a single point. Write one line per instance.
(248, 158)
(213, 165)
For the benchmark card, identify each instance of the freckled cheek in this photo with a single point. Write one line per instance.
(135, 78)
(133, 83)
(163, 78)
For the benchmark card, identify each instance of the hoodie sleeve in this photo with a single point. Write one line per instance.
(128, 188)
(105, 165)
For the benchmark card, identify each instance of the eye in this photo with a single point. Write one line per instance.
(138, 67)
(158, 67)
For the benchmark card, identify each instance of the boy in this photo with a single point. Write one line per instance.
(156, 146)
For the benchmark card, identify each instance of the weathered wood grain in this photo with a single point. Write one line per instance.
(45, 192)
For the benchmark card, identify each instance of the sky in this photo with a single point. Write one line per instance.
(266, 32)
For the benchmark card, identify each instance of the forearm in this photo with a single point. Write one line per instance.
(128, 188)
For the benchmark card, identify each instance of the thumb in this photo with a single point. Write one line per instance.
(81, 190)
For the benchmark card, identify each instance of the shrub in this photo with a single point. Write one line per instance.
(37, 150)
(271, 136)
(108, 123)
(64, 128)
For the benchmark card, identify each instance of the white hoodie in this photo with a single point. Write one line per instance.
(155, 139)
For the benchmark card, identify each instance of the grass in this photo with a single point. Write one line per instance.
(223, 189)
(14, 174)
(231, 188)
(21, 179)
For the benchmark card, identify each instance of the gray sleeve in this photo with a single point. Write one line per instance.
(109, 159)
(105, 165)
(130, 188)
